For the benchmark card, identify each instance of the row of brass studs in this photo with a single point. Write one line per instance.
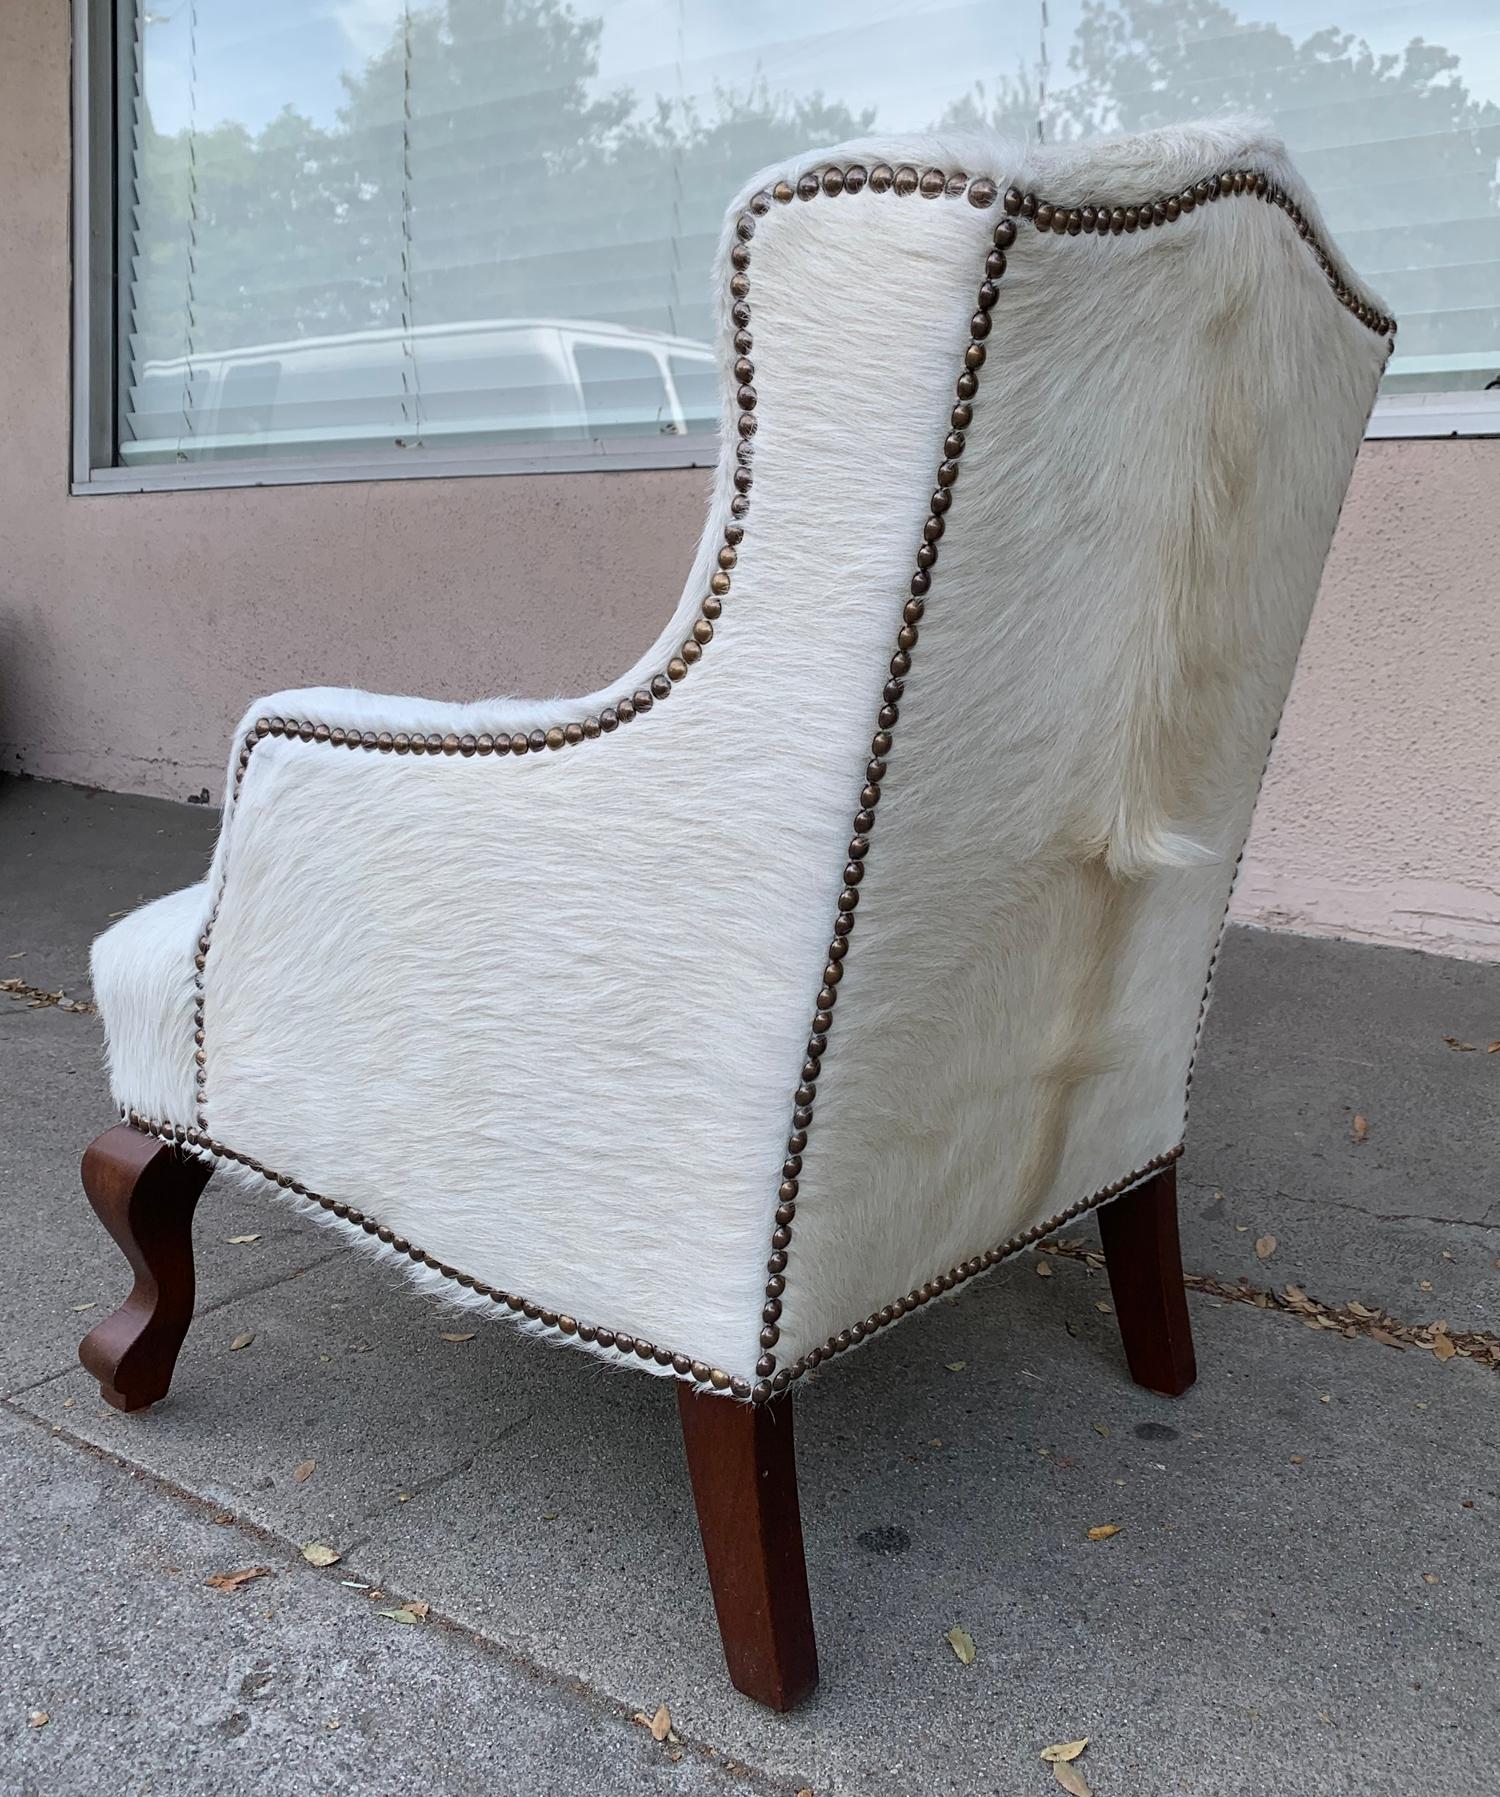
(772, 1379)
(630, 1346)
(1064, 221)
(830, 182)
(1073, 221)
(982, 192)
(965, 1270)
(933, 184)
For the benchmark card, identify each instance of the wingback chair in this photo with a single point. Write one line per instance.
(862, 932)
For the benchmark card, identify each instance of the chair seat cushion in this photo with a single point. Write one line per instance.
(143, 975)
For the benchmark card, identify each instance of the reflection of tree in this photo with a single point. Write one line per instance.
(472, 168)
(452, 188)
(1401, 155)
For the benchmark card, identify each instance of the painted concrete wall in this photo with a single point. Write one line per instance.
(135, 628)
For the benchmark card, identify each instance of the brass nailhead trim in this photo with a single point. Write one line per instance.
(830, 181)
(627, 1346)
(768, 1384)
(1063, 221)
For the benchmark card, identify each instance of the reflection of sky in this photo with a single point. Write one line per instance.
(906, 60)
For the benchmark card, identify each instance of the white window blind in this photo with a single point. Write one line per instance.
(372, 225)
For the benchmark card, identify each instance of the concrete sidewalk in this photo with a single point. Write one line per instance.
(1302, 1597)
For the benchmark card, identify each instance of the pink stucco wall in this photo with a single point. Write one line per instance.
(134, 628)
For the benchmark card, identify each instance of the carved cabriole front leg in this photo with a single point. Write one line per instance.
(144, 1192)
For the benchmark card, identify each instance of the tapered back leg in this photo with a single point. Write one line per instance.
(144, 1192)
(744, 1472)
(1145, 1274)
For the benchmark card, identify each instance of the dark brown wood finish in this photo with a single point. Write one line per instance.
(744, 1470)
(1145, 1274)
(144, 1192)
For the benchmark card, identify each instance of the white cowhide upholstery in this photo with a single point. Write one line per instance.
(543, 1015)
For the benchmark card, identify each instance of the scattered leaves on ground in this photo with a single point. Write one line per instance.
(1350, 1319)
(241, 1241)
(242, 1341)
(1265, 1247)
(1103, 1530)
(406, 1613)
(454, 1336)
(1360, 1128)
(1044, 1269)
(1064, 1750)
(1459, 1047)
(232, 1581)
(316, 1553)
(661, 1723)
(304, 1470)
(962, 1643)
(37, 998)
(955, 1366)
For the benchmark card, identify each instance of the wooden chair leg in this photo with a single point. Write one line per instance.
(144, 1192)
(1145, 1274)
(744, 1471)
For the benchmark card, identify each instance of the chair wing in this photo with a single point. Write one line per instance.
(721, 1017)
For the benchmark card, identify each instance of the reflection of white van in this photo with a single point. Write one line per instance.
(440, 385)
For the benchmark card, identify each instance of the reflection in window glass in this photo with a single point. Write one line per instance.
(361, 225)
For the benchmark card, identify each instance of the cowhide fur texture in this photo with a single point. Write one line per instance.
(544, 1015)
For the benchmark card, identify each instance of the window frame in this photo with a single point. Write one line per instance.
(98, 253)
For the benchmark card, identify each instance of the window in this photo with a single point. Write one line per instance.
(326, 239)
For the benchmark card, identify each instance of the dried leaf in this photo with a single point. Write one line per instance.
(242, 1341)
(1102, 1307)
(1104, 1530)
(955, 1366)
(231, 1581)
(1064, 1751)
(1265, 1247)
(660, 1724)
(1430, 1578)
(239, 1241)
(1424, 1285)
(304, 1470)
(1071, 1779)
(1493, 1048)
(467, 1336)
(962, 1643)
(89, 1306)
(1361, 1128)
(419, 1607)
(1386, 1339)
(405, 1614)
(37, 1719)
(1360, 1310)
(1100, 1428)
(1459, 1047)
(317, 1554)
(1443, 1347)
(1043, 1269)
